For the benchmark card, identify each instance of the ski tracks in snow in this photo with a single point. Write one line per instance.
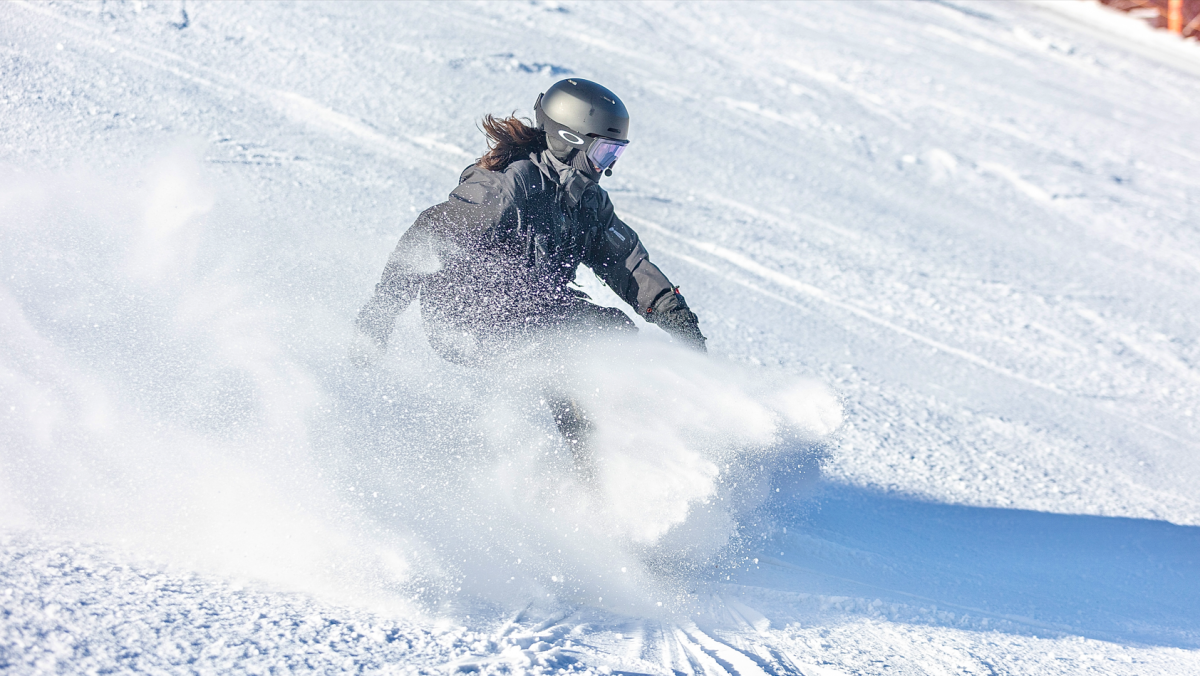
(570, 639)
(748, 264)
(732, 635)
(290, 105)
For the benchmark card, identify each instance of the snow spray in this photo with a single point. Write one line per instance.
(168, 389)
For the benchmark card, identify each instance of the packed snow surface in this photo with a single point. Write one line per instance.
(946, 253)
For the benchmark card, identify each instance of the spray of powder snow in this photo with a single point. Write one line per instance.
(159, 391)
(149, 397)
(474, 463)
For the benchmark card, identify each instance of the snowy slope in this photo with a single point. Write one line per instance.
(976, 224)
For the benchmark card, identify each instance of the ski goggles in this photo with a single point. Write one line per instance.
(604, 151)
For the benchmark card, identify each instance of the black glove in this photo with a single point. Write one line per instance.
(684, 326)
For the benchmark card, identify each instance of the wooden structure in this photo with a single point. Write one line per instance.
(1181, 17)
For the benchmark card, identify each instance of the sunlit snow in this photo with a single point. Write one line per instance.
(946, 253)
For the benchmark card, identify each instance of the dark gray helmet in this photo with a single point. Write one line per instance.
(585, 108)
(578, 114)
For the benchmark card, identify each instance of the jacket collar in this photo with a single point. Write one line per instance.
(572, 181)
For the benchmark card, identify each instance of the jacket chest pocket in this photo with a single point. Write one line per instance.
(555, 237)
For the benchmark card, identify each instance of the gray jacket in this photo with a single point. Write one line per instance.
(505, 246)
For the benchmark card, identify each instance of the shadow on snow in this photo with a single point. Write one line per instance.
(1110, 578)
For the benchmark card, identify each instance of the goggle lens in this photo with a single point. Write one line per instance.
(604, 151)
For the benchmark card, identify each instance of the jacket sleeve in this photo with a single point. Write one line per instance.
(442, 236)
(413, 259)
(620, 259)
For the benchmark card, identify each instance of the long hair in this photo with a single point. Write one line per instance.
(509, 139)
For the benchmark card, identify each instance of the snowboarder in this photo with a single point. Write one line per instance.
(493, 263)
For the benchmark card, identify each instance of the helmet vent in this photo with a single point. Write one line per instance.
(615, 131)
